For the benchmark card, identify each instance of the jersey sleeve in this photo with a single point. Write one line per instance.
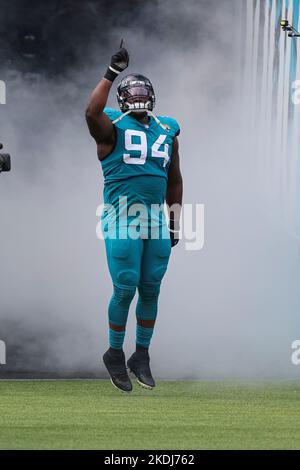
(112, 114)
(172, 124)
(176, 127)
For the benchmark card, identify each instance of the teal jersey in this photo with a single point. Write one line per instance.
(137, 168)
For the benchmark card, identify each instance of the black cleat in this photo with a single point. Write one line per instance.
(139, 364)
(114, 361)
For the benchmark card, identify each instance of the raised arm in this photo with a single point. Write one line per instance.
(174, 193)
(100, 126)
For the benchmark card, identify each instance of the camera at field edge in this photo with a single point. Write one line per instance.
(5, 162)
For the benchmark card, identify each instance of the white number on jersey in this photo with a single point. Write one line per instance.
(142, 148)
(161, 153)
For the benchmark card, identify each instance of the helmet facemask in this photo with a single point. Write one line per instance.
(135, 93)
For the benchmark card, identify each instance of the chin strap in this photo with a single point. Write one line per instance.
(150, 113)
(122, 116)
(156, 119)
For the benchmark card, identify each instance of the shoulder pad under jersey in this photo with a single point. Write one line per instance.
(170, 124)
(112, 113)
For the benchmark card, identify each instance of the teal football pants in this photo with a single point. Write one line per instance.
(135, 264)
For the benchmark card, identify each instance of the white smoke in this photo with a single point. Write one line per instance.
(230, 310)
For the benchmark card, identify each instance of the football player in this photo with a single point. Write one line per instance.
(139, 157)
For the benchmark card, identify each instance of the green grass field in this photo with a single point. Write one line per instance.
(176, 415)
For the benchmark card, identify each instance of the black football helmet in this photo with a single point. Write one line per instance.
(135, 93)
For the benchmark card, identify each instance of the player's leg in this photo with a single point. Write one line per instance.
(155, 260)
(124, 261)
(154, 265)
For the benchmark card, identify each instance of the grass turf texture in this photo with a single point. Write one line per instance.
(176, 415)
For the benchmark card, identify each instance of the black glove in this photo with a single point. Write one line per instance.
(174, 232)
(119, 62)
